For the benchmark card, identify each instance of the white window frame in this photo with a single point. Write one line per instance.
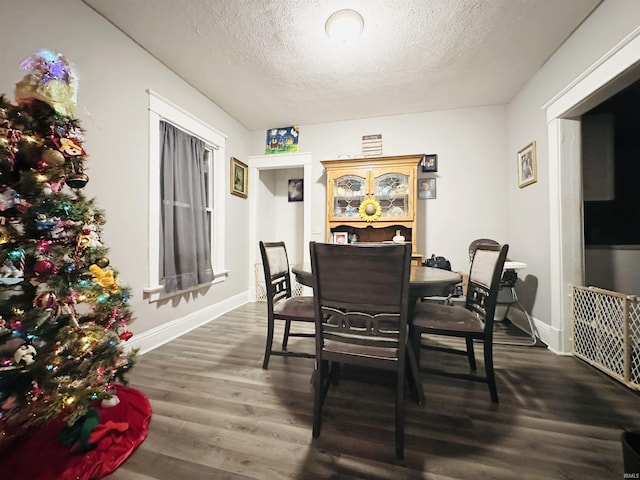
(162, 109)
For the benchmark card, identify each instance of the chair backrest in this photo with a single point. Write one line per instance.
(361, 294)
(473, 246)
(277, 277)
(484, 281)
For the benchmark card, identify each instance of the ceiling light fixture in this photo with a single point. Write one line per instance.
(344, 26)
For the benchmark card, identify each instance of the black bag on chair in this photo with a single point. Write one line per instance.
(437, 262)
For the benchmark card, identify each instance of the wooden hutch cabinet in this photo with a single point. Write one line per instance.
(390, 182)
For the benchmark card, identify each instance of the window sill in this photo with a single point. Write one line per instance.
(156, 293)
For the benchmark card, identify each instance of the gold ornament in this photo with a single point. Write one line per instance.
(370, 210)
(5, 236)
(102, 262)
(53, 157)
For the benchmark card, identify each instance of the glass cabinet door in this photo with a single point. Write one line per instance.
(348, 193)
(392, 191)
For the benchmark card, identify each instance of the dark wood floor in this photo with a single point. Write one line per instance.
(218, 415)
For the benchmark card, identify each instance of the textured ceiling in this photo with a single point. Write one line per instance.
(268, 63)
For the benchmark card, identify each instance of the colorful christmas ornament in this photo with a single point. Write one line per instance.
(53, 157)
(77, 180)
(102, 262)
(25, 354)
(45, 300)
(43, 267)
(5, 235)
(69, 148)
(126, 335)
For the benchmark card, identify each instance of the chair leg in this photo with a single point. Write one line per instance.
(414, 372)
(471, 354)
(285, 337)
(491, 377)
(334, 373)
(267, 347)
(269, 343)
(416, 339)
(318, 395)
(400, 414)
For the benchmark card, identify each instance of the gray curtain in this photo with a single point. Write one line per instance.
(184, 240)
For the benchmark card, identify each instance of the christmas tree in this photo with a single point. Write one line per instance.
(63, 312)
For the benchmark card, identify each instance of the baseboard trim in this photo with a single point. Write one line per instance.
(551, 336)
(156, 337)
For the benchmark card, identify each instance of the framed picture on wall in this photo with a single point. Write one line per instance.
(296, 190)
(426, 188)
(527, 165)
(430, 163)
(239, 178)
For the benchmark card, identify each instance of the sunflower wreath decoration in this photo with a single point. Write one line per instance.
(370, 210)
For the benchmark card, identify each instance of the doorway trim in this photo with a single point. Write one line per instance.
(275, 162)
(615, 70)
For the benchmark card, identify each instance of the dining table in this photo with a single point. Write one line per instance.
(423, 282)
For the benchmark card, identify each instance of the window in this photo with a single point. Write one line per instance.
(213, 173)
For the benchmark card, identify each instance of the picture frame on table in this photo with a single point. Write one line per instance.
(527, 165)
(426, 188)
(340, 237)
(429, 163)
(239, 178)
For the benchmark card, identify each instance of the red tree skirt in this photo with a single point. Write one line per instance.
(41, 456)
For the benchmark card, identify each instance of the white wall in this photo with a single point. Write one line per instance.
(114, 74)
(471, 177)
(529, 212)
(278, 219)
(289, 216)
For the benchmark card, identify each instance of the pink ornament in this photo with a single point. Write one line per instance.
(43, 246)
(15, 324)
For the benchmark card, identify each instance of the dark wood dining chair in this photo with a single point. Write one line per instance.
(361, 297)
(472, 322)
(281, 303)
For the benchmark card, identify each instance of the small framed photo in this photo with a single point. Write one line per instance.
(296, 190)
(426, 188)
(527, 165)
(340, 237)
(430, 163)
(239, 178)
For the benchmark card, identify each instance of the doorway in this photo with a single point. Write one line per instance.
(267, 177)
(615, 71)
